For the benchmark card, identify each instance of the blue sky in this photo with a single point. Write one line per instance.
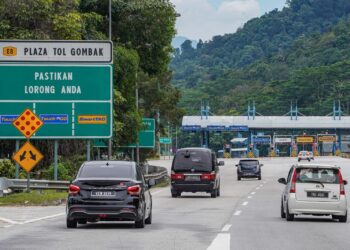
(203, 19)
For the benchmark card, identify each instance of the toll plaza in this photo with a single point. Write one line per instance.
(274, 135)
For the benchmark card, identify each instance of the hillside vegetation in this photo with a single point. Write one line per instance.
(300, 53)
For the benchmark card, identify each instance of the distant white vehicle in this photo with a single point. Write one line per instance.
(305, 155)
(314, 190)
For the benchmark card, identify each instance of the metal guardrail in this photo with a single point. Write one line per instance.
(159, 175)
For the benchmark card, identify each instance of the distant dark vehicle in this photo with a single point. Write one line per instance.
(195, 170)
(249, 168)
(109, 191)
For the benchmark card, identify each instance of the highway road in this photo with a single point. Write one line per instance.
(246, 216)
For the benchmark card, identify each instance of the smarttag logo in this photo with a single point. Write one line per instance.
(9, 51)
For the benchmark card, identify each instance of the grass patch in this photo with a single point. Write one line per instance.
(162, 184)
(34, 198)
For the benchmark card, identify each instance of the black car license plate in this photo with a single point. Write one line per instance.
(102, 193)
(317, 194)
(192, 178)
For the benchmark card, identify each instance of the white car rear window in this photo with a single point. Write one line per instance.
(309, 175)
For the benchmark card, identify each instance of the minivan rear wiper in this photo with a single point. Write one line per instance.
(315, 181)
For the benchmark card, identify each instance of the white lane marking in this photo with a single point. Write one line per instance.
(158, 191)
(43, 218)
(257, 188)
(265, 182)
(7, 226)
(221, 242)
(237, 213)
(245, 203)
(252, 193)
(9, 221)
(249, 197)
(261, 185)
(226, 227)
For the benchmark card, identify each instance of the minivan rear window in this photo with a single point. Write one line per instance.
(196, 160)
(312, 175)
(248, 165)
(106, 171)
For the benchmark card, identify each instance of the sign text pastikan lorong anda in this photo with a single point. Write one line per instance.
(73, 101)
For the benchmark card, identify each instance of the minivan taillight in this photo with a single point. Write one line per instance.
(73, 189)
(208, 177)
(341, 182)
(293, 183)
(175, 177)
(134, 190)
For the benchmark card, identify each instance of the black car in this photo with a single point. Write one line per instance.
(195, 170)
(249, 168)
(109, 191)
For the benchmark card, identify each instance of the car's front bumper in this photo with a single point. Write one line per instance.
(318, 208)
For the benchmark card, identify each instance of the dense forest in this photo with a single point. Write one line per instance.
(300, 53)
(142, 35)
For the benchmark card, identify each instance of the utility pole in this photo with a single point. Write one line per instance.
(110, 39)
(137, 134)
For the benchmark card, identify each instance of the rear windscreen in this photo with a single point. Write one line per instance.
(106, 171)
(248, 164)
(197, 160)
(314, 175)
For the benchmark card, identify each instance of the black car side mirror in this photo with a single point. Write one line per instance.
(221, 163)
(345, 182)
(261, 165)
(282, 181)
(151, 182)
(237, 165)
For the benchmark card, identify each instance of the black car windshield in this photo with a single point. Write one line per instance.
(197, 160)
(248, 164)
(314, 175)
(106, 171)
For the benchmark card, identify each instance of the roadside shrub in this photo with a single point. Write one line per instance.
(7, 169)
(338, 152)
(62, 172)
(250, 154)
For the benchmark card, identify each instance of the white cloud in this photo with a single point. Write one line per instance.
(199, 19)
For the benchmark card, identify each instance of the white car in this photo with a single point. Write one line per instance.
(305, 155)
(314, 189)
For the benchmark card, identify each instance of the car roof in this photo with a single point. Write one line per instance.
(314, 165)
(194, 149)
(113, 163)
(249, 159)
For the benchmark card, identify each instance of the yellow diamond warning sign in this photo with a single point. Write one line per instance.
(27, 123)
(27, 157)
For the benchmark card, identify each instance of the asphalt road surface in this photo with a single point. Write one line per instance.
(246, 216)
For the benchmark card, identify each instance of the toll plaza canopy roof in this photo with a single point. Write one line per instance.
(265, 122)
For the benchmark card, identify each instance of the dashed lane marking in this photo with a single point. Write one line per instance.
(237, 213)
(221, 242)
(249, 197)
(226, 228)
(245, 203)
(252, 193)
(257, 188)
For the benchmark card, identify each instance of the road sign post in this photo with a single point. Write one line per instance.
(27, 156)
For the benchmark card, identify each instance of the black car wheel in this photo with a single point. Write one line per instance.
(289, 217)
(238, 178)
(71, 223)
(140, 223)
(214, 193)
(218, 191)
(174, 194)
(283, 214)
(82, 221)
(259, 177)
(149, 219)
(342, 219)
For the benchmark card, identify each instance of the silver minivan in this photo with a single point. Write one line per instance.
(314, 189)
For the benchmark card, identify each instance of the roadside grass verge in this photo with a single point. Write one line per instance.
(34, 198)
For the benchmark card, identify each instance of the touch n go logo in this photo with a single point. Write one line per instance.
(9, 51)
